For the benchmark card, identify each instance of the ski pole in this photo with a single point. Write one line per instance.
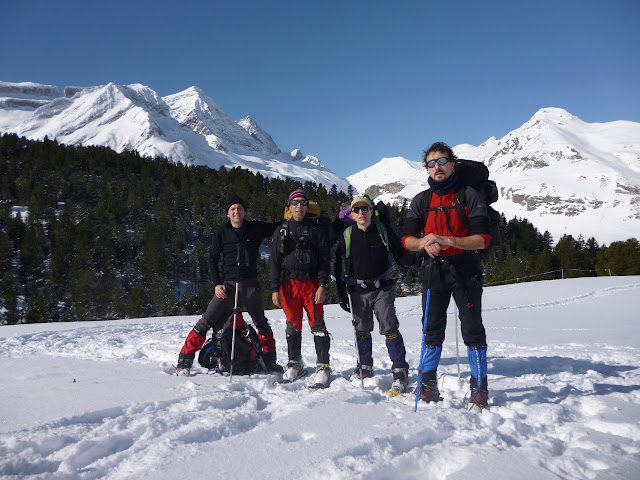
(235, 311)
(355, 336)
(424, 335)
(455, 313)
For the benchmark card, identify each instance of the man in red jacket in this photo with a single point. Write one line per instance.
(452, 269)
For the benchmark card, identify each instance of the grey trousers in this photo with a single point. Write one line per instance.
(365, 303)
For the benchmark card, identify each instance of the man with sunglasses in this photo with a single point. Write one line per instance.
(299, 272)
(453, 269)
(364, 263)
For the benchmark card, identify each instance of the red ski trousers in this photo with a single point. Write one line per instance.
(298, 295)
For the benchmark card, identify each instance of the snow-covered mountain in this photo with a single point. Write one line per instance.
(562, 174)
(187, 127)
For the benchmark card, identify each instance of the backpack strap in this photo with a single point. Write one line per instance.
(347, 250)
(382, 231)
(283, 233)
(459, 204)
(424, 209)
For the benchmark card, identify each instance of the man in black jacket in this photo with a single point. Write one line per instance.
(238, 242)
(364, 263)
(299, 274)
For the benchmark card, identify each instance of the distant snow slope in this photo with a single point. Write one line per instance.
(562, 174)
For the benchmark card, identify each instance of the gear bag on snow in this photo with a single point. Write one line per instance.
(216, 351)
(475, 175)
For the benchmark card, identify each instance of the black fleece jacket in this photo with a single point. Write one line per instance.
(239, 252)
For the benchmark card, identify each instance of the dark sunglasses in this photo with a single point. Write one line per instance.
(364, 208)
(439, 161)
(295, 203)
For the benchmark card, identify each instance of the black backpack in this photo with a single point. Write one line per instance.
(475, 175)
(216, 352)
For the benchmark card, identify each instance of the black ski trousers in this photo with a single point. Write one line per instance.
(220, 309)
(462, 279)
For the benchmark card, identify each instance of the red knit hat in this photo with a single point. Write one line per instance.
(298, 194)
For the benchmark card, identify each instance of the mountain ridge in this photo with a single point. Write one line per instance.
(187, 127)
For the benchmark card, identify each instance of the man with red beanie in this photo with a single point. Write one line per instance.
(298, 278)
(238, 242)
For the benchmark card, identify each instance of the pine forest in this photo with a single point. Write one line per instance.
(90, 234)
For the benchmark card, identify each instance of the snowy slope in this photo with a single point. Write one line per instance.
(562, 174)
(187, 127)
(19, 100)
(98, 399)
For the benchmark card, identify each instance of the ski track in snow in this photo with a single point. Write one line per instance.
(559, 411)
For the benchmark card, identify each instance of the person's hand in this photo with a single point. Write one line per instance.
(343, 299)
(321, 295)
(276, 299)
(221, 291)
(432, 244)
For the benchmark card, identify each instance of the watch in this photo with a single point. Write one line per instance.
(323, 286)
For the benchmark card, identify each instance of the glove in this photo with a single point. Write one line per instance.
(343, 299)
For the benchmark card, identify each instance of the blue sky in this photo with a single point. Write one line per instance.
(350, 82)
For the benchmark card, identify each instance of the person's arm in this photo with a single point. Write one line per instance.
(478, 217)
(265, 229)
(275, 263)
(413, 227)
(214, 253)
(338, 265)
(324, 264)
(433, 243)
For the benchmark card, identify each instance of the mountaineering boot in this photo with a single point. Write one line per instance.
(478, 382)
(322, 343)
(365, 348)
(294, 371)
(321, 377)
(478, 400)
(268, 344)
(431, 358)
(192, 344)
(429, 387)
(400, 381)
(185, 361)
(294, 347)
(362, 371)
(395, 347)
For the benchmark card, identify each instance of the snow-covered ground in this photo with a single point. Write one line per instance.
(98, 399)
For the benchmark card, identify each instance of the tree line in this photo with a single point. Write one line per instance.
(106, 235)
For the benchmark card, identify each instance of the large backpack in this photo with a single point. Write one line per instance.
(475, 175)
(216, 351)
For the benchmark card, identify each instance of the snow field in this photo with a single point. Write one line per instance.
(99, 400)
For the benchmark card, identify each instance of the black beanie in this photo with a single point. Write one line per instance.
(232, 200)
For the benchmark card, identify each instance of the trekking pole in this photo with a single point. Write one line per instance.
(235, 311)
(455, 313)
(355, 337)
(424, 334)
